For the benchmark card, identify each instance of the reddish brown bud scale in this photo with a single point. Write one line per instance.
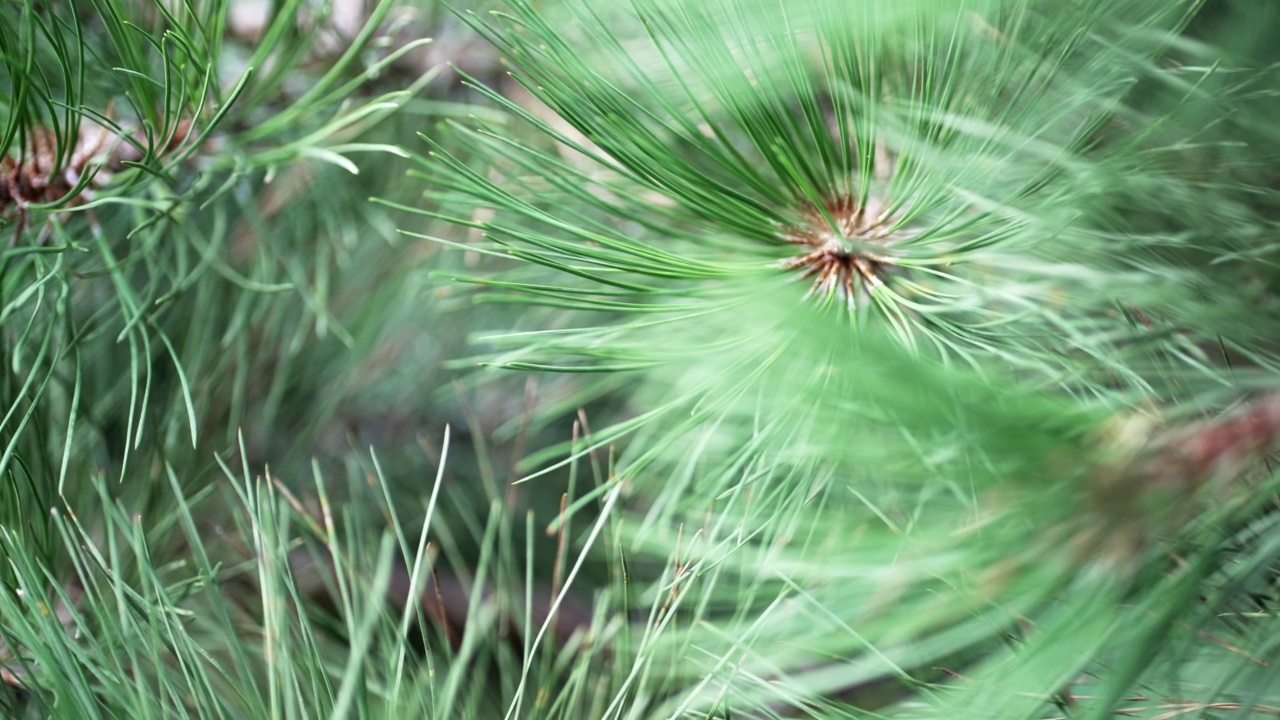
(38, 175)
(837, 268)
(1223, 448)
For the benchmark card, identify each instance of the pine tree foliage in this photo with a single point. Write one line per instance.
(982, 177)
(136, 136)
(918, 300)
(871, 359)
(193, 284)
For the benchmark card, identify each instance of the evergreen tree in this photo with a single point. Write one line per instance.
(839, 359)
(934, 314)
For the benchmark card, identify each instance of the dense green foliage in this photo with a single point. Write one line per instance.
(724, 359)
